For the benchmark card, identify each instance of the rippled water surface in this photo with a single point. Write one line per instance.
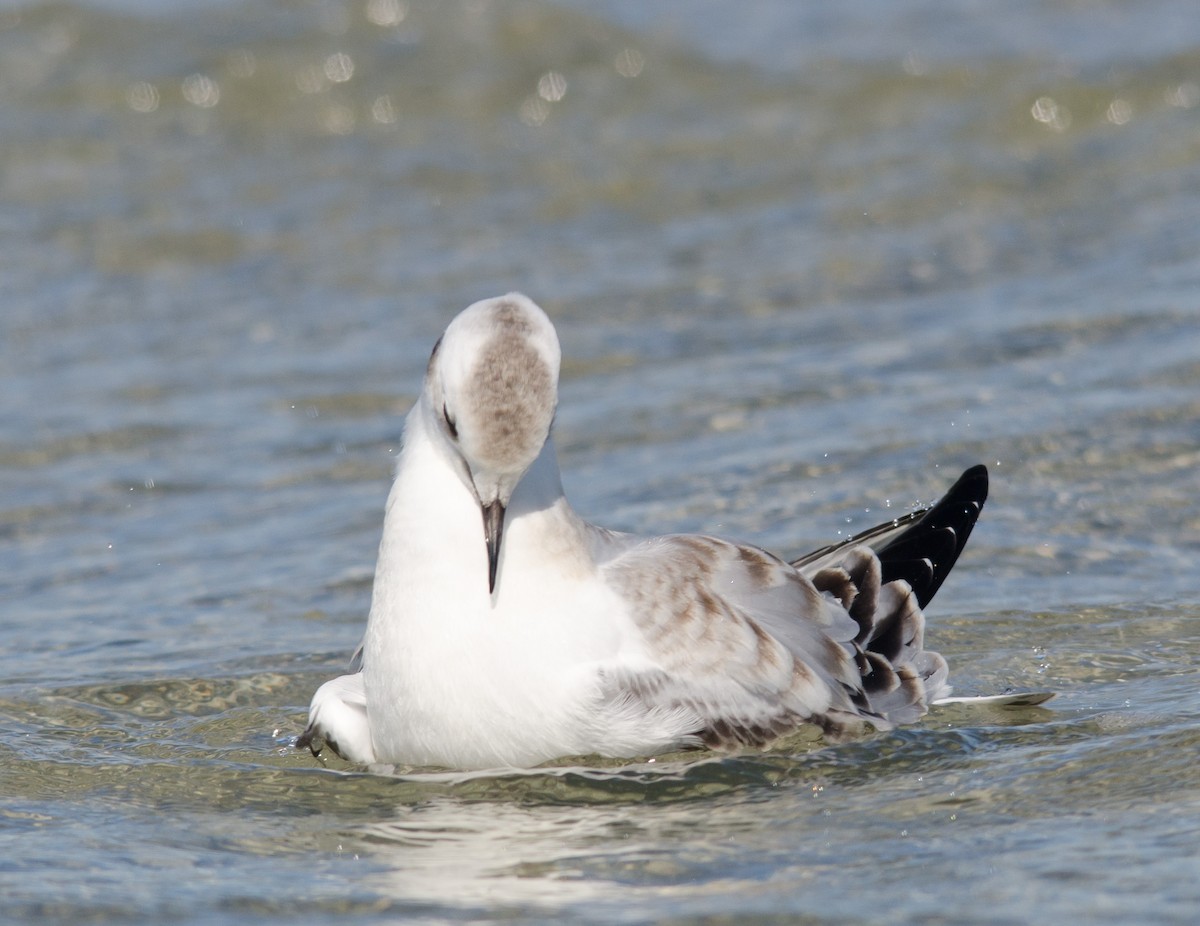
(807, 261)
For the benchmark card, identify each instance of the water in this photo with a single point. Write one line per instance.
(806, 264)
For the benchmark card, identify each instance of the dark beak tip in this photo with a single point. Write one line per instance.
(493, 534)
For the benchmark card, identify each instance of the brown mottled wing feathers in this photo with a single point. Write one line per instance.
(738, 638)
(753, 647)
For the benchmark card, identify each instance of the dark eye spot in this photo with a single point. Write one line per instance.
(450, 426)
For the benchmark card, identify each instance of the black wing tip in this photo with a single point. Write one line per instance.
(974, 481)
(937, 537)
(972, 485)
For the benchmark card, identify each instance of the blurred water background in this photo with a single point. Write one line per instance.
(806, 260)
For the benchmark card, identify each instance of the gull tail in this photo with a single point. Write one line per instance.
(337, 718)
(898, 677)
(1008, 699)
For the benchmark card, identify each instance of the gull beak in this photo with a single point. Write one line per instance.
(493, 533)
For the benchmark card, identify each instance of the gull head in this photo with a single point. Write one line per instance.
(491, 391)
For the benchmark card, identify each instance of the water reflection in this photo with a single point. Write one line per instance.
(568, 853)
(494, 854)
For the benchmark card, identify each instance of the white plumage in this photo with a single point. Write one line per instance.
(506, 631)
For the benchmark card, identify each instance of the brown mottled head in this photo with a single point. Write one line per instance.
(492, 389)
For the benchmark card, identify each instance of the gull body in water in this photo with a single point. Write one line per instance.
(506, 631)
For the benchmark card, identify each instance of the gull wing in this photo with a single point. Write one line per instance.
(747, 649)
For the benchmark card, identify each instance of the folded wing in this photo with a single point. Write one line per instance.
(740, 647)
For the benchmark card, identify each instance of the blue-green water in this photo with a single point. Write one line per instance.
(806, 262)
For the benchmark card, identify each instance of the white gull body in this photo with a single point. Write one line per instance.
(506, 631)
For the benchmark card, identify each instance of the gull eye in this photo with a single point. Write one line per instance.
(449, 423)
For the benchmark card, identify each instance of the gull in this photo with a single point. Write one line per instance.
(505, 631)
